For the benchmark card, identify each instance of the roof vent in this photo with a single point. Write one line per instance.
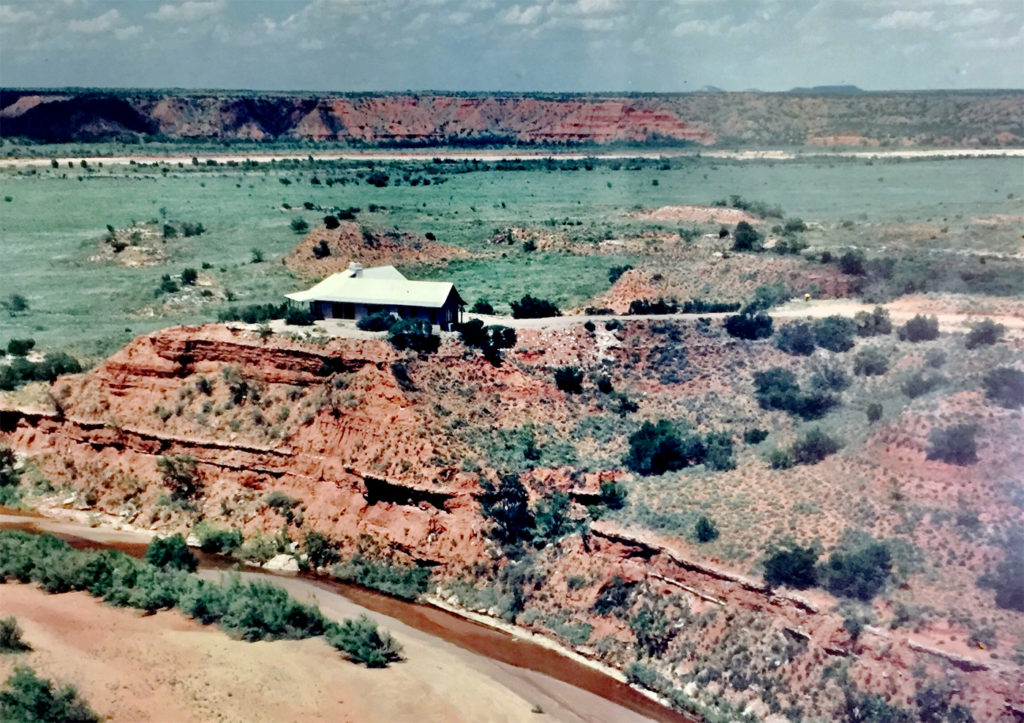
(356, 268)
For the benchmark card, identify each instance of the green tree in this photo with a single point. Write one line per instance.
(705, 530)
(746, 238)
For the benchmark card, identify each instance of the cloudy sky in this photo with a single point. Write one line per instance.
(544, 45)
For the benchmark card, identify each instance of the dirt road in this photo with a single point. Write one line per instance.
(499, 155)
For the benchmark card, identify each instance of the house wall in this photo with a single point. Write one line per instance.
(445, 317)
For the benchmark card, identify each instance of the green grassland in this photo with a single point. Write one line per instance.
(55, 218)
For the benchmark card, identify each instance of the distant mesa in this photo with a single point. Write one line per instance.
(709, 117)
(827, 90)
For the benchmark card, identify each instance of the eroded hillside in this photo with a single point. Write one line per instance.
(416, 460)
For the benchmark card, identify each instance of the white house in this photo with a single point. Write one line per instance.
(357, 292)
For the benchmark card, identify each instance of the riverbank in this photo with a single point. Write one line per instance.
(444, 679)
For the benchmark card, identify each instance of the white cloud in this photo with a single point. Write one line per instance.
(188, 11)
(594, 7)
(99, 24)
(978, 16)
(904, 20)
(10, 16)
(522, 16)
(696, 27)
(129, 32)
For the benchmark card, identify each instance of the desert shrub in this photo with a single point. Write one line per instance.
(767, 296)
(874, 412)
(655, 449)
(829, 376)
(1005, 387)
(217, 542)
(21, 371)
(362, 642)
(705, 530)
(870, 362)
(920, 383)
(700, 306)
(647, 306)
(331, 222)
(551, 517)
(873, 323)
(171, 553)
(180, 475)
(920, 328)
(320, 550)
(614, 597)
(507, 506)
(20, 347)
(9, 476)
(776, 388)
(167, 285)
(259, 610)
(296, 316)
(984, 333)
(253, 313)
(15, 304)
(282, 503)
(299, 225)
(813, 446)
(613, 495)
(791, 565)
(530, 307)
(835, 333)
(749, 326)
(615, 272)
(569, 379)
(490, 339)
(189, 277)
(27, 698)
(377, 321)
(716, 451)
(10, 636)
(755, 435)
(482, 306)
(322, 249)
(402, 581)
(852, 263)
(871, 708)
(415, 335)
(954, 445)
(653, 631)
(796, 338)
(859, 573)
(1007, 579)
(746, 238)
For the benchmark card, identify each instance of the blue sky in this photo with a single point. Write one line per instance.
(551, 45)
